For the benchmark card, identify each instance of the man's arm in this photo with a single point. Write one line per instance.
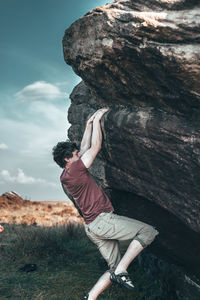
(96, 141)
(86, 140)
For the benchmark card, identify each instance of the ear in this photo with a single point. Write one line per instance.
(67, 159)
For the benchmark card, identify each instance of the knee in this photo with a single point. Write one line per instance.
(151, 234)
(148, 235)
(154, 232)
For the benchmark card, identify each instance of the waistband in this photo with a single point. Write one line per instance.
(98, 217)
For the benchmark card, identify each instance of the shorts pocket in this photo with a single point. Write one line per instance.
(103, 229)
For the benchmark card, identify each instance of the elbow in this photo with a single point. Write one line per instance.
(99, 148)
(96, 148)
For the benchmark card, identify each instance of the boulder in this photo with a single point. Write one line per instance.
(141, 59)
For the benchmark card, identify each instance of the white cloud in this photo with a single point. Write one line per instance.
(30, 130)
(46, 125)
(43, 138)
(40, 90)
(5, 175)
(3, 146)
(22, 178)
(50, 112)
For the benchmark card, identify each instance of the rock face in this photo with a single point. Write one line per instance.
(141, 53)
(141, 58)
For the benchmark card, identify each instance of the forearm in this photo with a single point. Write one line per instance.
(86, 140)
(96, 135)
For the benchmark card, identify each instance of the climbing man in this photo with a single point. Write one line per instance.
(102, 225)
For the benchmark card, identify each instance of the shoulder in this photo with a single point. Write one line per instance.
(78, 163)
(77, 168)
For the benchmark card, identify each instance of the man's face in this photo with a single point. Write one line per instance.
(75, 156)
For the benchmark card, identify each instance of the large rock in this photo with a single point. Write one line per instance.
(141, 53)
(141, 58)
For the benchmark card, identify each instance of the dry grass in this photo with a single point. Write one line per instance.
(16, 210)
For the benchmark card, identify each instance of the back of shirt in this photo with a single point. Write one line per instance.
(90, 198)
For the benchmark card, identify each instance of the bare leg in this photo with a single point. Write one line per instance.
(109, 249)
(104, 281)
(133, 250)
(102, 284)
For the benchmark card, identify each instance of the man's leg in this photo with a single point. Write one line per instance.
(102, 284)
(109, 249)
(133, 250)
(104, 281)
(141, 233)
(114, 227)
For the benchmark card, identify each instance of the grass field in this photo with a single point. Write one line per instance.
(68, 264)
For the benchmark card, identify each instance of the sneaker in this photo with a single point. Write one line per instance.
(123, 279)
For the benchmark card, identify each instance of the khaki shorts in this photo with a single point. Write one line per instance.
(108, 229)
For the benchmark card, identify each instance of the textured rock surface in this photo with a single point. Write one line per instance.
(141, 58)
(144, 182)
(145, 53)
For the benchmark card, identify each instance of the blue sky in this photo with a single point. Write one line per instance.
(35, 84)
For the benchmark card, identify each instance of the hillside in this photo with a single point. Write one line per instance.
(16, 210)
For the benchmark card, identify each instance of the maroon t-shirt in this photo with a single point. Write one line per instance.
(90, 198)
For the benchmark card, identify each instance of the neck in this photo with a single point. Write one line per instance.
(67, 166)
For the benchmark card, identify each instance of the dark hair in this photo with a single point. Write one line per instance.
(63, 150)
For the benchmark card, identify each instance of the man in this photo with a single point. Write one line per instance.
(102, 226)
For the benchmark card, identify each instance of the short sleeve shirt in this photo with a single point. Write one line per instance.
(90, 198)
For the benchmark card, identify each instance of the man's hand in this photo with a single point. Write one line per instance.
(86, 140)
(99, 113)
(90, 120)
(96, 140)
